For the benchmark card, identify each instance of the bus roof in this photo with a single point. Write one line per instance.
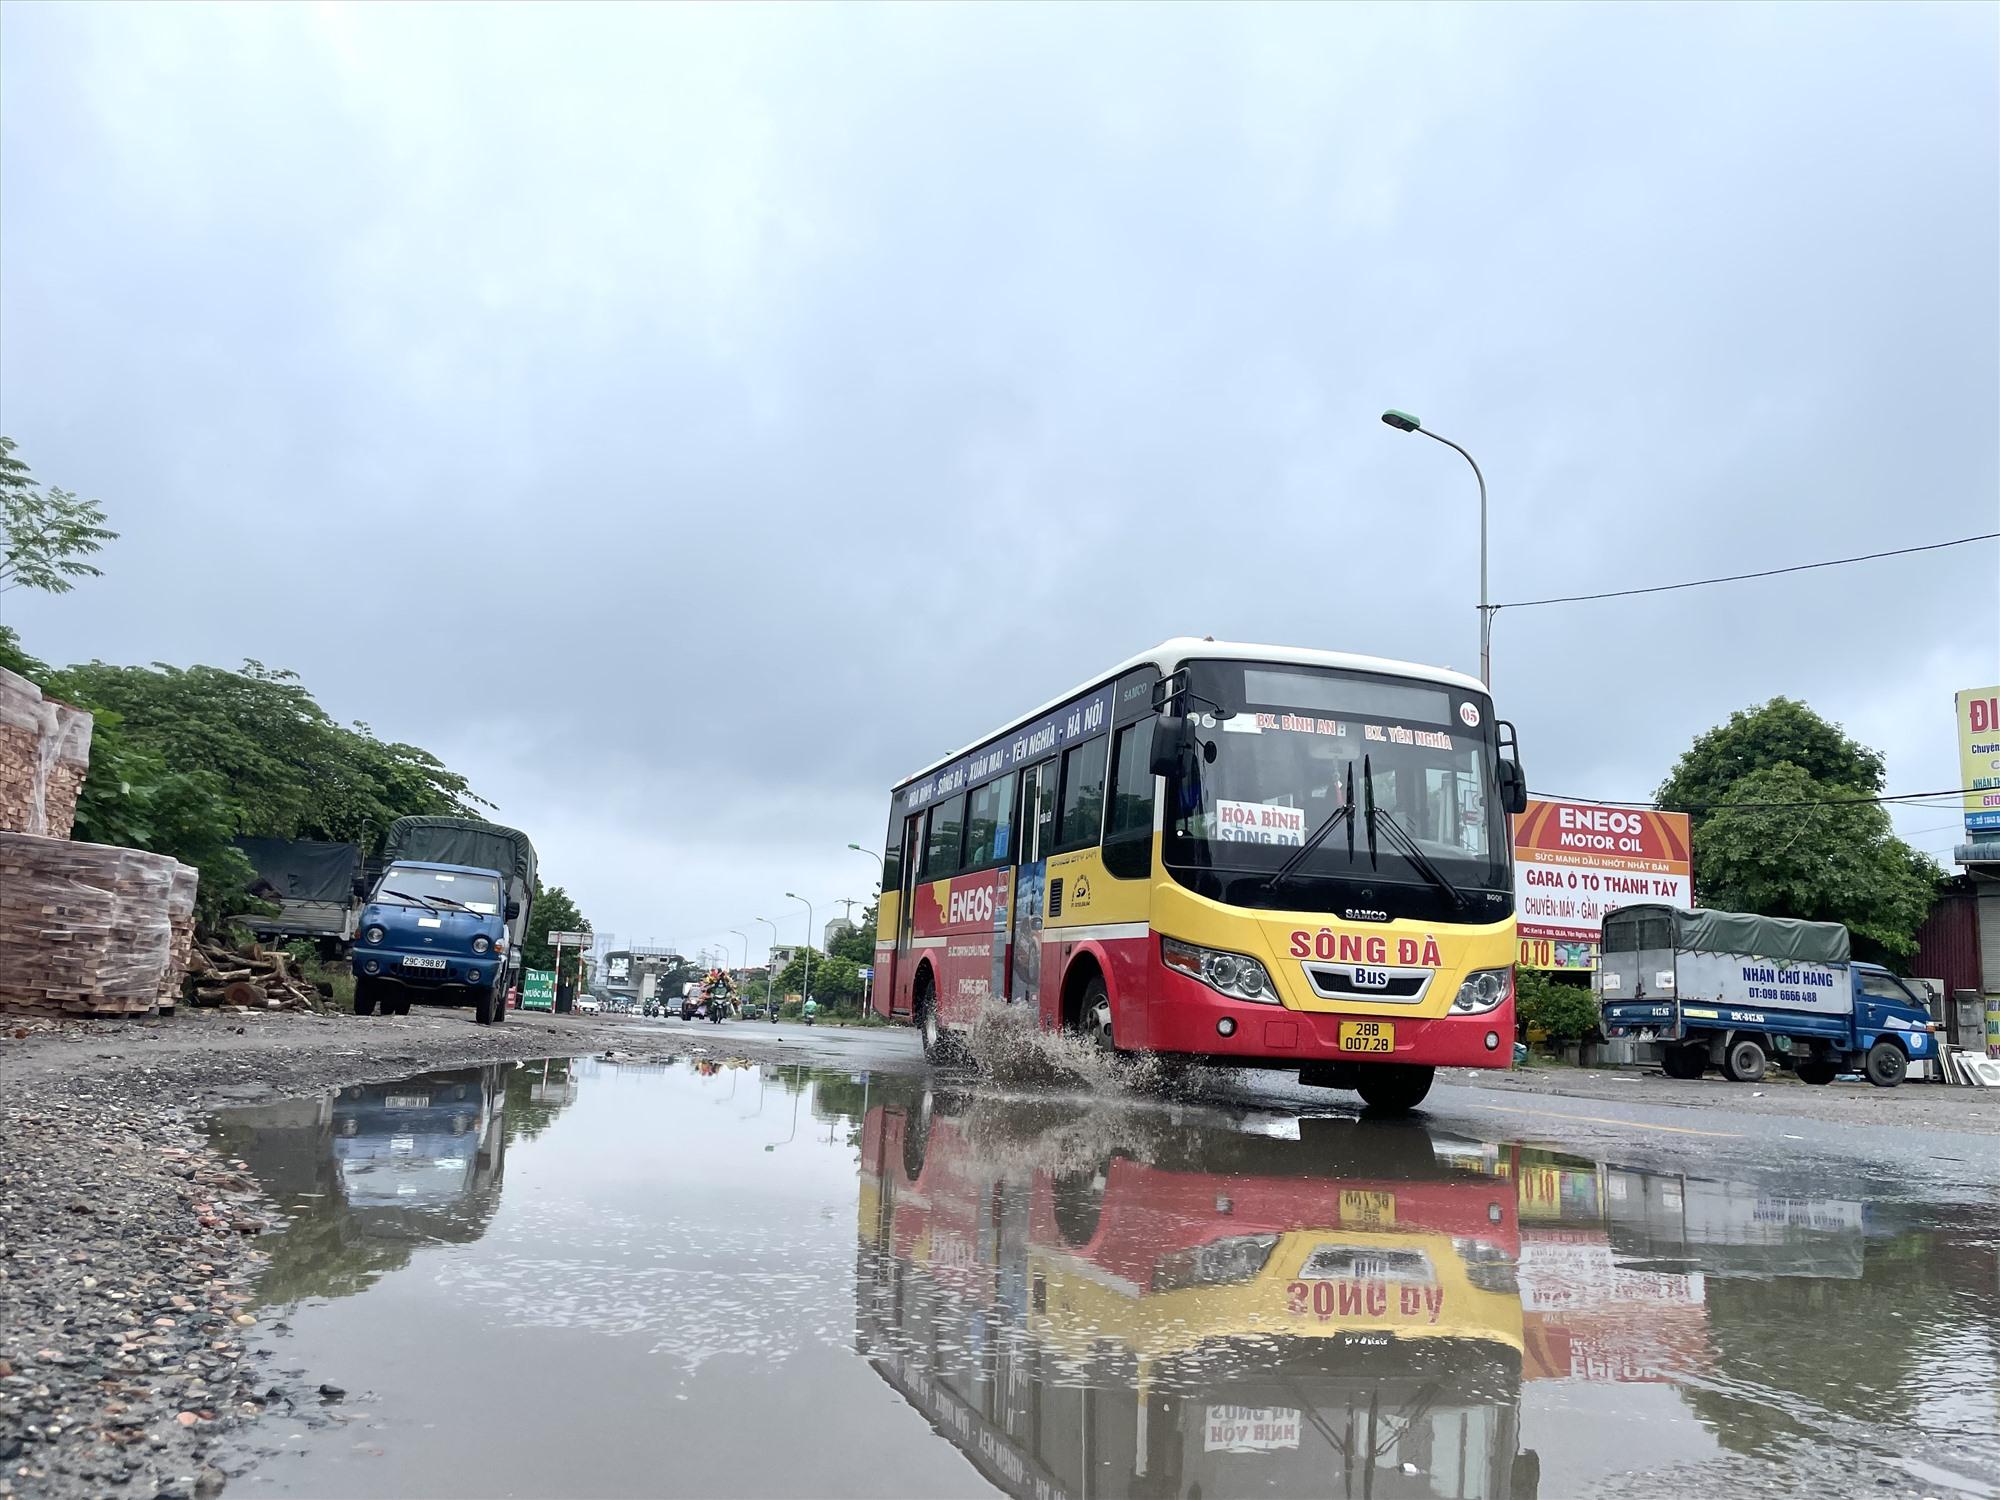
(1169, 654)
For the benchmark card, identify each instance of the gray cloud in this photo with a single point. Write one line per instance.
(798, 392)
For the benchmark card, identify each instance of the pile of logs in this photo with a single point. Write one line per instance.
(259, 979)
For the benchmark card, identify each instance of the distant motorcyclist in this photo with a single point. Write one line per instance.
(810, 1009)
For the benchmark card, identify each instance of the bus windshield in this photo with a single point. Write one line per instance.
(1287, 749)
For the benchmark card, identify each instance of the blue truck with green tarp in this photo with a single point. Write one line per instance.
(1733, 991)
(446, 918)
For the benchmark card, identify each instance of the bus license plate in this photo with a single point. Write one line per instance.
(1367, 1036)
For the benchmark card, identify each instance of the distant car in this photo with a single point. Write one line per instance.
(587, 1005)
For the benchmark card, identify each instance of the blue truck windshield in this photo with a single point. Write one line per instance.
(405, 886)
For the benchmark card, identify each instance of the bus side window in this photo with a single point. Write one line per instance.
(892, 854)
(988, 823)
(1037, 808)
(946, 827)
(1082, 816)
(1128, 830)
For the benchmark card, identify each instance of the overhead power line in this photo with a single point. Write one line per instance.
(1697, 583)
(1915, 799)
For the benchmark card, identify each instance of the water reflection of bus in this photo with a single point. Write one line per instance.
(1233, 1314)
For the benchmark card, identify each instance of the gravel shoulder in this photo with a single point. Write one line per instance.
(128, 1246)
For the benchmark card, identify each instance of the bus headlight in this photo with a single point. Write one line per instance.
(1483, 990)
(1233, 974)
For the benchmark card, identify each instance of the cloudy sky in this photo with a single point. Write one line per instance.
(740, 407)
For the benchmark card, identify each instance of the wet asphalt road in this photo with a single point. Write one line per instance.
(839, 1275)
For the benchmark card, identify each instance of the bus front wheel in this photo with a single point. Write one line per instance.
(1394, 1088)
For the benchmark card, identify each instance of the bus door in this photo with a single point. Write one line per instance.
(913, 851)
(1037, 812)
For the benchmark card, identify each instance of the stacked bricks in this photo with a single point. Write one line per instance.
(84, 929)
(44, 753)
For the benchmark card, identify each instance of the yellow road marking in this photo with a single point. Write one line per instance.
(1551, 1114)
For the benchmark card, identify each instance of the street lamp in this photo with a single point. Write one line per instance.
(881, 869)
(807, 987)
(1402, 421)
(746, 945)
(770, 970)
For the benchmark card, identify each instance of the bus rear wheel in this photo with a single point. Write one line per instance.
(940, 1046)
(1394, 1088)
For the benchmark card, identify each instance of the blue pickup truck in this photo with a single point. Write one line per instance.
(444, 921)
(1732, 991)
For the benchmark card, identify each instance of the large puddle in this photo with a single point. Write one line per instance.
(694, 1278)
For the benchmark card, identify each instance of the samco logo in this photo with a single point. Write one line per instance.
(971, 906)
(1354, 948)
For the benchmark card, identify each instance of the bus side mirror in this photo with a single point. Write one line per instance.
(1513, 787)
(1173, 745)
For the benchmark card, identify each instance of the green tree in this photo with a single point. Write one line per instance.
(44, 534)
(1755, 739)
(835, 980)
(551, 911)
(857, 944)
(1776, 798)
(1564, 1009)
(184, 761)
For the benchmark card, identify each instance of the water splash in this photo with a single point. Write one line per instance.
(1008, 1046)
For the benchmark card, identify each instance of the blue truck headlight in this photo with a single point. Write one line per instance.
(1483, 990)
(374, 934)
(481, 944)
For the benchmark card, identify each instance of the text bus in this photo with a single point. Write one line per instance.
(1255, 855)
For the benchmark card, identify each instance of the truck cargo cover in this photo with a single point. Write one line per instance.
(1701, 931)
(472, 842)
(305, 869)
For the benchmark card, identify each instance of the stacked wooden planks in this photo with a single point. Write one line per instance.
(84, 928)
(180, 919)
(44, 754)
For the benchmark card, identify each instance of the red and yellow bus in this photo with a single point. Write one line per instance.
(1253, 855)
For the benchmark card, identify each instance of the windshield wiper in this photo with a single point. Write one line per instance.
(424, 901)
(1402, 838)
(1342, 814)
(450, 901)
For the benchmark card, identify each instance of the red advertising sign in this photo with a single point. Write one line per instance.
(1574, 861)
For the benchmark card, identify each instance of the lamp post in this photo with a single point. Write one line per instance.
(1402, 421)
(807, 987)
(770, 970)
(881, 869)
(746, 945)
